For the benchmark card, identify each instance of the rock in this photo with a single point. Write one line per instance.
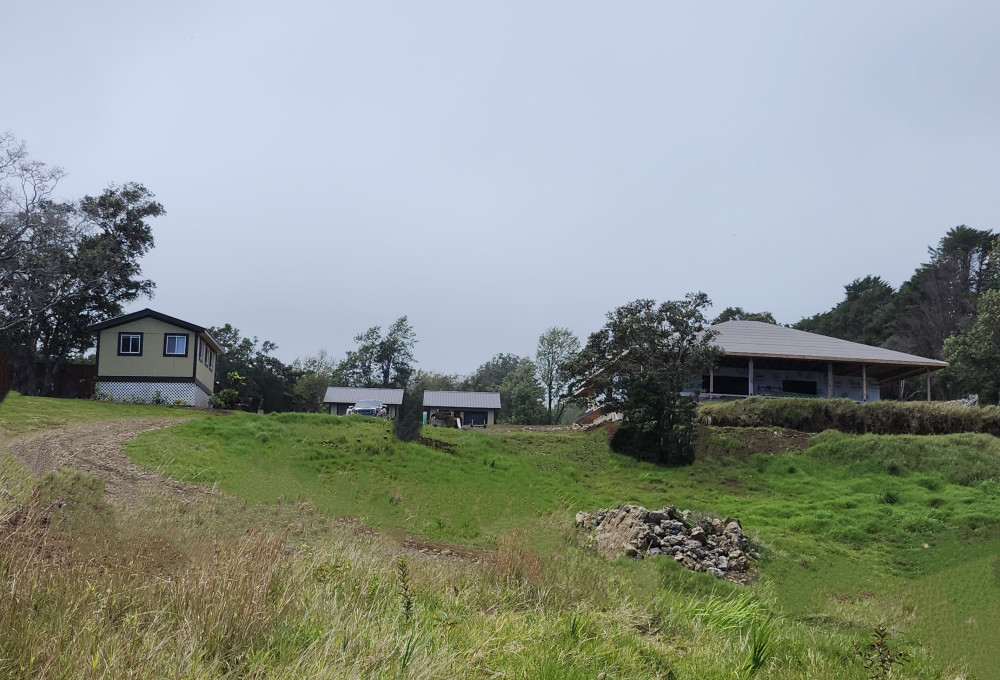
(657, 516)
(698, 534)
(710, 545)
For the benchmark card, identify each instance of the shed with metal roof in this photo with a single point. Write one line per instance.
(339, 399)
(474, 408)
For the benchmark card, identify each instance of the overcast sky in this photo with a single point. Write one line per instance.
(493, 169)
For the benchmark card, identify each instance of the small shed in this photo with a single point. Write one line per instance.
(339, 399)
(474, 408)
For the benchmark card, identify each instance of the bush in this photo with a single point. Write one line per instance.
(880, 417)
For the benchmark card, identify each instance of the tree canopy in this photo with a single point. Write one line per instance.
(381, 361)
(64, 265)
(556, 348)
(639, 363)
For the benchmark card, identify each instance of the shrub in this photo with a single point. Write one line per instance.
(880, 417)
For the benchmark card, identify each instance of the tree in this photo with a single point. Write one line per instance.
(737, 314)
(639, 363)
(866, 314)
(64, 265)
(521, 396)
(381, 361)
(407, 425)
(556, 347)
(489, 376)
(268, 383)
(975, 355)
(520, 392)
(315, 374)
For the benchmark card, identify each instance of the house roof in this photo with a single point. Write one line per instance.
(444, 399)
(352, 395)
(174, 321)
(766, 340)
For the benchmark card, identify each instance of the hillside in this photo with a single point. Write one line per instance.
(291, 567)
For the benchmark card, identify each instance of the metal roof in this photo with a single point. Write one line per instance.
(759, 339)
(352, 395)
(442, 399)
(172, 320)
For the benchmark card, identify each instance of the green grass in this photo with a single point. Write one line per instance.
(851, 514)
(841, 526)
(20, 414)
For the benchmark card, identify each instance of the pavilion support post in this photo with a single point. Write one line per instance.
(750, 378)
(928, 385)
(864, 383)
(829, 380)
(711, 381)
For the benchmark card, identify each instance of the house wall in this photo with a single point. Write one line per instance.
(151, 363)
(202, 373)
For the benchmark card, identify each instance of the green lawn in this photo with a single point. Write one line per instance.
(20, 414)
(841, 521)
(850, 515)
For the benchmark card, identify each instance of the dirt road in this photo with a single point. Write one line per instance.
(97, 448)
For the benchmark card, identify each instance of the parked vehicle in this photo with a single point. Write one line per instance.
(375, 409)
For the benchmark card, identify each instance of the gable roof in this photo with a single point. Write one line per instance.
(151, 313)
(445, 399)
(352, 395)
(759, 339)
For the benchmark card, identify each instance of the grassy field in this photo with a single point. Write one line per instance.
(842, 523)
(20, 415)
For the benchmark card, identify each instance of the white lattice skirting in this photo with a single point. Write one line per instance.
(155, 392)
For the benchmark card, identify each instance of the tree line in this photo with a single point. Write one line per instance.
(531, 388)
(67, 264)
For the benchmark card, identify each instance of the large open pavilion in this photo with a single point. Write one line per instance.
(767, 359)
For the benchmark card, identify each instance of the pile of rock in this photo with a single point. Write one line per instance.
(707, 545)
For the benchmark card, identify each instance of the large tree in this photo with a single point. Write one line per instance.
(64, 265)
(556, 347)
(865, 315)
(381, 361)
(639, 365)
(975, 355)
(940, 298)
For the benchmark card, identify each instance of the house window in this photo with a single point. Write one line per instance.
(211, 360)
(201, 350)
(130, 344)
(175, 345)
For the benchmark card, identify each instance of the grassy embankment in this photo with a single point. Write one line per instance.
(842, 525)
